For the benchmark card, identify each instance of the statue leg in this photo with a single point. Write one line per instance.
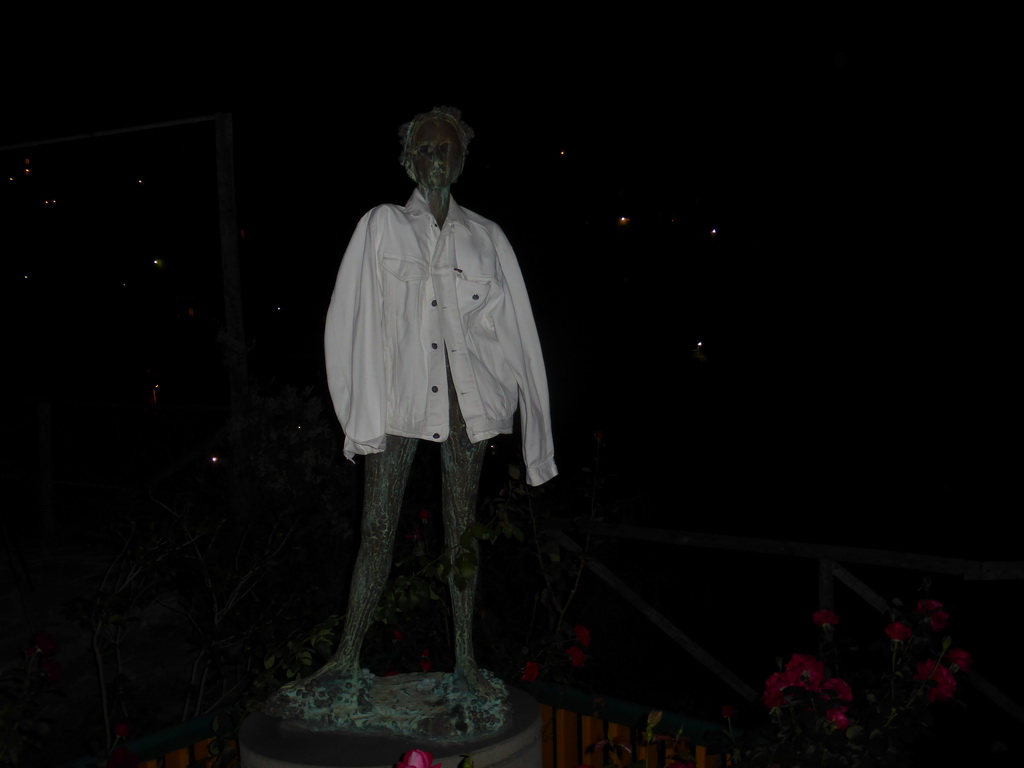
(461, 462)
(339, 688)
(386, 476)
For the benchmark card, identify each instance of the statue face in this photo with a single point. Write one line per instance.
(438, 154)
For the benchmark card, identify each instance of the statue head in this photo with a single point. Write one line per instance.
(434, 147)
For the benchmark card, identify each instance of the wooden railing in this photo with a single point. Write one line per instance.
(183, 757)
(830, 570)
(568, 738)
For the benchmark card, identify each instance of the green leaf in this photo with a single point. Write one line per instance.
(269, 661)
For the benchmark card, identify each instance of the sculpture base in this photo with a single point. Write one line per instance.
(270, 742)
(431, 706)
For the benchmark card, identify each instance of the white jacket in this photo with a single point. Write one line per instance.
(406, 290)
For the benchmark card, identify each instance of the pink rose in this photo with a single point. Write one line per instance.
(924, 606)
(729, 711)
(962, 659)
(582, 634)
(122, 729)
(417, 758)
(898, 631)
(773, 687)
(825, 618)
(530, 672)
(806, 671)
(945, 684)
(576, 655)
(425, 516)
(939, 620)
(837, 716)
(839, 687)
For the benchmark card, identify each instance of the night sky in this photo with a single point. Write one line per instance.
(827, 219)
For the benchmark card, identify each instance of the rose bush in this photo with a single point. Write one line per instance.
(872, 715)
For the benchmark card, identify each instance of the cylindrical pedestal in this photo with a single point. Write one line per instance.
(270, 742)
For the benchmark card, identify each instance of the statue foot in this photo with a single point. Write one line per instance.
(474, 681)
(329, 691)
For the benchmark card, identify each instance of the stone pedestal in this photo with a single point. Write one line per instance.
(270, 742)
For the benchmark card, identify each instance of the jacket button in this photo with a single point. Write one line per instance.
(433, 345)
(436, 435)
(476, 296)
(433, 389)
(433, 303)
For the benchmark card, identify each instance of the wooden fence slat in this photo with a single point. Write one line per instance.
(591, 733)
(566, 749)
(547, 736)
(202, 749)
(702, 758)
(177, 759)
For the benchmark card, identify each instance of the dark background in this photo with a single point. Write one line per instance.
(853, 304)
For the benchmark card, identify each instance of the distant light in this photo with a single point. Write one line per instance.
(26, 277)
(700, 343)
(140, 181)
(714, 231)
(623, 221)
(213, 459)
(562, 152)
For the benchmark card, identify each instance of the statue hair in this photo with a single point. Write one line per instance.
(450, 115)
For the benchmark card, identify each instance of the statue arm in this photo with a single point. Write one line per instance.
(353, 345)
(517, 333)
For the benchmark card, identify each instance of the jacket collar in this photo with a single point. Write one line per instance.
(418, 205)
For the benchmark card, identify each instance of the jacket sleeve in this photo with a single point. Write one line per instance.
(353, 345)
(517, 334)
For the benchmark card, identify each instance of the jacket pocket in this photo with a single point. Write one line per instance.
(402, 267)
(472, 291)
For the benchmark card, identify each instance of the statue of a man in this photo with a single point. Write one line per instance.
(430, 337)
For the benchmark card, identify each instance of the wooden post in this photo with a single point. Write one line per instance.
(234, 327)
(44, 419)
